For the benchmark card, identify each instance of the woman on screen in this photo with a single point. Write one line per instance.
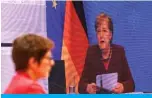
(105, 58)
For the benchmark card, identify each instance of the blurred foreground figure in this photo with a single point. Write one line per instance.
(32, 58)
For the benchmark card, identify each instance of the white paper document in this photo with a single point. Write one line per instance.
(108, 81)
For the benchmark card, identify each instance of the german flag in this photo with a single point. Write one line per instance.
(66, 26)
(75, 42)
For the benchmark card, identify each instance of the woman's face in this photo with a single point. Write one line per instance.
(104, 35)
(43, 69)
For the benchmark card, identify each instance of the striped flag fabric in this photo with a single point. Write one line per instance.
(70, 38)
(74, 47)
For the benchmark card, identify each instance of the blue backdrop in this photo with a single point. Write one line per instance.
(55, 26)
(133, 30)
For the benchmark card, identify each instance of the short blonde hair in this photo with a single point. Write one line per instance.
(103, 17)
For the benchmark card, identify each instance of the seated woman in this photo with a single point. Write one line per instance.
(105, 58)
(33, 60)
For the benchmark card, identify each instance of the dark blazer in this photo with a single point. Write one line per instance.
(94, 66)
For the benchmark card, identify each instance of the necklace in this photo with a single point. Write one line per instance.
(107, 60)
(109, 57)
